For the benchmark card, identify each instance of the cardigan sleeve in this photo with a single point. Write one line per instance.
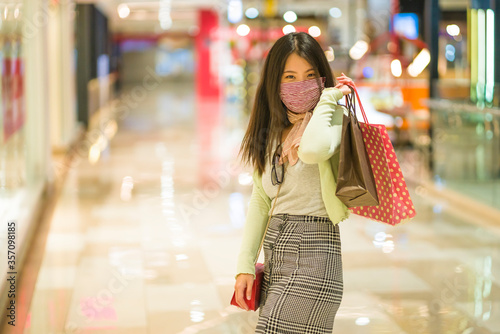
(255, 225)
(323, 132)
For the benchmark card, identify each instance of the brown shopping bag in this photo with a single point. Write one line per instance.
(355, 181)
(395, 205)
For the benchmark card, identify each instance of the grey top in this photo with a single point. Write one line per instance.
(300, 193)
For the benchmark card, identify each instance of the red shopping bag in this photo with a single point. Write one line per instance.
(395, 205)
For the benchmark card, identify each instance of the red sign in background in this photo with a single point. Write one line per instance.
(12, 95)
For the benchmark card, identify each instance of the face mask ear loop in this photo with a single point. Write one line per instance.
(321, 83)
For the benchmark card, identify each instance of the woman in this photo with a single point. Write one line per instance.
(302, 286)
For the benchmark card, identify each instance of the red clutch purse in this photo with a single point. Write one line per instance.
(253, 303)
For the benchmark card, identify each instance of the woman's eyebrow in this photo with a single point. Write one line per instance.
(311, 69)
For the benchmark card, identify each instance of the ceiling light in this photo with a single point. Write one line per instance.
(330, 54)
(243, 30)
(234, 11)
(290, 16)
(314, 31)
(252, 13)
(288, 29)
(358, 50)
(335, 12)
(396, 68)
(123, 11)
(164, 14)
(419, 63)
(453, 30)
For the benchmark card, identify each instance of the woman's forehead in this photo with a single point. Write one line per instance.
(296, 63)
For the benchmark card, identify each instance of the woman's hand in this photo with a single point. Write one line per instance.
(243, 288)
(343, 84)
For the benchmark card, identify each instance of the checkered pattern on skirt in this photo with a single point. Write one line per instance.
(302, 286)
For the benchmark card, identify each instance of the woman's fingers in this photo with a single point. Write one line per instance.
(345, 79)
(240, 292)
(243, 290)
(249, 290)
(342, 79)
(346, 90)
(344, 84)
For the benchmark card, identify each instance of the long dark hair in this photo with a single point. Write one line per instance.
(268, 117)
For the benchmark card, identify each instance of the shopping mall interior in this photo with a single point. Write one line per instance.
(123, 194)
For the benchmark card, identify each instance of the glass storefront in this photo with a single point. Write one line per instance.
(465, 118)
(13, 160)
(28, 127)
(25, 169)
(466, 150)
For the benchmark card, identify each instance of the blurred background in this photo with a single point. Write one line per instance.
(121, 184)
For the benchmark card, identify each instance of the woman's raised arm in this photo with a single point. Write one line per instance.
(323, 132)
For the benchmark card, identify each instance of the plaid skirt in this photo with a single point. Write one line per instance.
(302, 286)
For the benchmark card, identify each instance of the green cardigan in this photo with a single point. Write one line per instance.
(319, 145)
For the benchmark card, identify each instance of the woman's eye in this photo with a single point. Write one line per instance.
(291, 77)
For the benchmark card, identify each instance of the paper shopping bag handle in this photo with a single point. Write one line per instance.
(353, 86)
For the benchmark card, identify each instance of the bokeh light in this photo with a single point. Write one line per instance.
(314, 31)
(450, 52)
(234, 11)
(288, 29)
(243, 30)
(419, 63)
(453, 30)
(335, 12)
(290, 16)
(252, 13)
(368, 72)
(123, 11)
(330, 54)
(396, 68)
(358, 50)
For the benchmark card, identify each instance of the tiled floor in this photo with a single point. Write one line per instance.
(145, 241)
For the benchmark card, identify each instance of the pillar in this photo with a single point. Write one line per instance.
(36, 90)
(208, 90)
(207, 78)
(431, 35)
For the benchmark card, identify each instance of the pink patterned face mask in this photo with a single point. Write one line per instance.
(301, 96)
